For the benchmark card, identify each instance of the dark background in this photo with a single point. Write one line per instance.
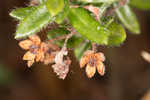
(127, 74)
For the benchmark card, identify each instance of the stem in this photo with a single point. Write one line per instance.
(58, 38)
(69, 35)
(94, 47)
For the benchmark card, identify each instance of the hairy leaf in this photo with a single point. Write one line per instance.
(87, 26)
(37, 19)
(128, 18)
(141, 4)
(21, 13)
(55, 6)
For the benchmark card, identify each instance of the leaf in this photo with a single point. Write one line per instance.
(98, 1)
(72, 42)
(55, 6)
(37, 19)
(118, 34)
(87, 26)
(21, 13)
(79, 51)
(141, 4)
(128, 18)
(62, 15)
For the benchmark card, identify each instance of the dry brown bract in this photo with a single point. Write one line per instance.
(36, 50)
(61, 66)
(92, 61)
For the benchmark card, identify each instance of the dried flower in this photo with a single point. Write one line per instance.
(38, 51)
(35, 49)
(61, 66)
(49, 58)
(50, 54)
(92, 61)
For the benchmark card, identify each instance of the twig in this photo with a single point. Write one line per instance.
(69, 35)
(94, 47)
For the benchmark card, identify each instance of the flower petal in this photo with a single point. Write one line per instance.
(100, 68)
(44, 47)
(86, 56)
(90, 71)
(28, 56)
(100, 56)
(30, 63)
(36, 39)
(49, 58)
(83, 61)
(40, 56)
(25, 44)
(88, 52)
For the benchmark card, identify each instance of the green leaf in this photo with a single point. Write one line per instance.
(79, 51)
(55, 6)
(141, 4)
(62, 15)
(21, 13)
(98, 1)
(118, 34)
(36, 20)
(128, 18)
(87, 26)
(72, 42)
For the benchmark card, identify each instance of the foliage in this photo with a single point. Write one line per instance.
(96, 21)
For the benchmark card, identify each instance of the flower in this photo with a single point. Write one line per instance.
(35, 48)
(50, 53)
(93, 61)
(38, 51)
(49, 58)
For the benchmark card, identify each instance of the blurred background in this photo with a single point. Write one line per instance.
(127, 74)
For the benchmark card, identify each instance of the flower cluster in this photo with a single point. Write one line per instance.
(93, 61)
(38, 51)
(49, 53)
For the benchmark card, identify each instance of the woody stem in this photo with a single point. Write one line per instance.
(58, 38)
(69, 36)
